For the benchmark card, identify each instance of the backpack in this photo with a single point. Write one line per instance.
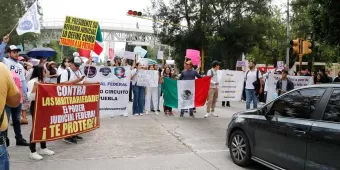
(68, 76)
(255, 83)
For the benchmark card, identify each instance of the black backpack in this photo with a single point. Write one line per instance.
(68, 76)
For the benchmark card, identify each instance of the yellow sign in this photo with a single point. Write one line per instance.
(79, 33)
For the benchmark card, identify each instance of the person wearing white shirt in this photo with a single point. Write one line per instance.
(37, 77)
(73, 75)
(213, 91)
(14, 66)
(252, 75)
(64, 65)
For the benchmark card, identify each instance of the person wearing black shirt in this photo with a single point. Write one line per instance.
(337, 79)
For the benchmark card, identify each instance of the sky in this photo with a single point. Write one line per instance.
(113, 11)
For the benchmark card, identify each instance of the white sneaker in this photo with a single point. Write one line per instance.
(157, 113)
(206, 115)
(46, 152)
(141, 114)
(35, 156)
(213, 114)
(147, 112)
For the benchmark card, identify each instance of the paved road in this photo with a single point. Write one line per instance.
(146, 142)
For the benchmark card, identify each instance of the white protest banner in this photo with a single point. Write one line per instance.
(160, 55)
(114, 88)
(147, 78)
(299, 81)
(30, 21)
(129, 55)
(230, 85)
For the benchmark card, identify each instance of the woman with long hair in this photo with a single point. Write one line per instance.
(138, 93)
(167, 74)
(36, 78)
(151, 95)
(318, 79)
(52, 71)
(64, 64)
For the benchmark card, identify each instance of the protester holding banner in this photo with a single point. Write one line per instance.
(284, 85)
(213, 91)
(37, 77)
(138, 93)
(73, 75)
(253, 80)
(151, 95)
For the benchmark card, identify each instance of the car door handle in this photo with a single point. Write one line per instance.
(299, 132)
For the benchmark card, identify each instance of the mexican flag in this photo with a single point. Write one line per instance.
(98, 46)
(185, 94)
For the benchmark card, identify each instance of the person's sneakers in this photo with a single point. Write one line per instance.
(46, 152)
(70, 140)
(192, 115)
(157, 113)
(147, 112)
(141, 114)
(22, 142)
(182, 115)
(152, 110)
(78, 137)
(214, 114)
(35, 156)
(158, 110)
(206, 115)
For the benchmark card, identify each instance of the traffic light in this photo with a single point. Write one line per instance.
(134, 13)
(295, 46)
(306, 47)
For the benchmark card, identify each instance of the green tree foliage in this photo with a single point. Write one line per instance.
(224, 29)
(11, 11)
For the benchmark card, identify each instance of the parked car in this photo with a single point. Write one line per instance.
(299, 130)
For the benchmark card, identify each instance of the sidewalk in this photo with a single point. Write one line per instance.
(140, 142)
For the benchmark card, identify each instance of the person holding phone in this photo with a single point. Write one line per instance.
(73, 75)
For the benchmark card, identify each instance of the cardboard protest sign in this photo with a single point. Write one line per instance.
(65, 110)
(129, 55)
(147, 78)
(79, 33)
(140, 51)
(160, 55)
(193, 54)
(230, 85)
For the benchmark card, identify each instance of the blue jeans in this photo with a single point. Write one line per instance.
(138, 99)
(159, 96)
(4, 158)
(251, 96)
(15, 113)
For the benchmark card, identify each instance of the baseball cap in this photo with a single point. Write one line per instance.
(13, 48)
(77, 61)
(189, 62)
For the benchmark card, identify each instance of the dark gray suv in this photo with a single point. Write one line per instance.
(299, 130)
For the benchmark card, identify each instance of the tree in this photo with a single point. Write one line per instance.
(11, 11)
(223, 29)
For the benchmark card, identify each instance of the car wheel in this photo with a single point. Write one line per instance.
(240, 148)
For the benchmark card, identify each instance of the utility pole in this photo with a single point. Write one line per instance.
(288, 39)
